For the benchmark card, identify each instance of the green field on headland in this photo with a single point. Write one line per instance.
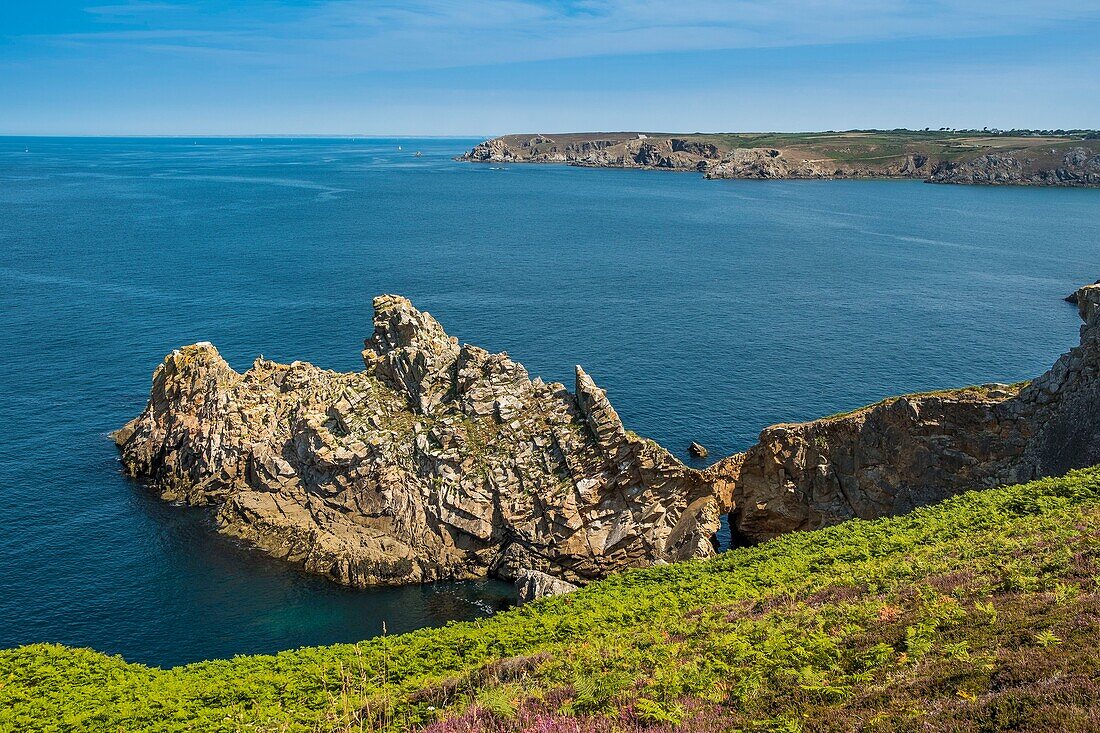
(979, 613)
(869, 146)
(851, 146)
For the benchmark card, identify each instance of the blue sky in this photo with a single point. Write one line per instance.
(454, 67)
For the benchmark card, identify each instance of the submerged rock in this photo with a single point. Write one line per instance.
(438, 461)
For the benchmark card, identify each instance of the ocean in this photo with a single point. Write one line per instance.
(707, 309)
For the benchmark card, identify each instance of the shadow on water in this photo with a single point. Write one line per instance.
(272, 605)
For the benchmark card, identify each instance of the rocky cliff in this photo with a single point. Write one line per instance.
(443, 461)
(988, 160)
(1079, 166)
(774, 163)
(908, 451)
(437, 461)
(617, 150)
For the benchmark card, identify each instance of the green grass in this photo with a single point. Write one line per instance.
(975, 390)
(980, 613)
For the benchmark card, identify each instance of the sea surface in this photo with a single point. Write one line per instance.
(708, 309)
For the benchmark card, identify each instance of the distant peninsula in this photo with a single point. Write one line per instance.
(992, 157)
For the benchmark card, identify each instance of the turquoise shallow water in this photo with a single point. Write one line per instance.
(708, 309)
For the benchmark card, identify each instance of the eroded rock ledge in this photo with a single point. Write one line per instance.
(909, 451)
(438, 461)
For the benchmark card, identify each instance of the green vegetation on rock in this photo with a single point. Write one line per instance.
(979, 613)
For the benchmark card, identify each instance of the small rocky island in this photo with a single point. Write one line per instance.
(1031, 158)
(438, 461)
(444, 461)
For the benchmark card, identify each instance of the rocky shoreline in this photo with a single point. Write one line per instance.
(1031, 162)
(443, 461)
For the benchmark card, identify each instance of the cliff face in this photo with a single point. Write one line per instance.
(1022, 162)
(1076, 167)
(914, 450)
(773, 163)
(438, 461)
(614, 151)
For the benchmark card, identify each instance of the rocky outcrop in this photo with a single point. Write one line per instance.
(441, 460)
(767, 163)
(1072, 297)
(773, 163)
(532, 585)
(1076, 167)
(810, 159)
(615, 151)
(913, 450)
(437, 461)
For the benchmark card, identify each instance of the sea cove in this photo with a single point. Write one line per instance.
(708, 310)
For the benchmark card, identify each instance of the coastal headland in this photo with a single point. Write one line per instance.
(444, 461)
(1025, 158)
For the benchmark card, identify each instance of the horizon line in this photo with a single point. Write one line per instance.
(374, 135)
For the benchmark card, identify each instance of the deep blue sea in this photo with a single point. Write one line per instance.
(708, 309)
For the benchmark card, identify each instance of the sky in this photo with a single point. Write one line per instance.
(461, 67)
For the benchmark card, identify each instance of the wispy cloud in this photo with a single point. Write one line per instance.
(358, 36)
(459, 66)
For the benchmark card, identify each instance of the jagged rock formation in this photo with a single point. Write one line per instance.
(914, 450)
(443, 461)
(1023, 162)
(532, 585)
(438, 461)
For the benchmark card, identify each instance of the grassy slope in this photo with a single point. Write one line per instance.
(981, 613)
